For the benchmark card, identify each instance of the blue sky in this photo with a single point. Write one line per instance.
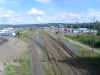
(44, 11)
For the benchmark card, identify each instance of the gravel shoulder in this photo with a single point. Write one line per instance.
(9, 50)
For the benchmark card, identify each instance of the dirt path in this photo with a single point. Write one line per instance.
(36, 66)
(13, 48)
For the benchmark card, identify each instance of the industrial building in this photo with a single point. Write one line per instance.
(8, 32)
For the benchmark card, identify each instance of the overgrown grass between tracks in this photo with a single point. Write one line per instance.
(46, 64)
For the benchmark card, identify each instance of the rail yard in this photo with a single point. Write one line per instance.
(63, 61)
(48, 54)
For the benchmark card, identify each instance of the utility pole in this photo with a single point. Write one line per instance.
(93, 44)
(58, 28)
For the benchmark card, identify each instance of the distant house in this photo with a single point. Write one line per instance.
(68, 30)
(79, 30)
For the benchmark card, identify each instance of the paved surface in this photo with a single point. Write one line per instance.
(10, 48)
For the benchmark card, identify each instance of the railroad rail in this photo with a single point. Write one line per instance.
(67, 49)
(52, 46)
(60, 43)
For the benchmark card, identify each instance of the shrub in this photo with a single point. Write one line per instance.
(91, 40)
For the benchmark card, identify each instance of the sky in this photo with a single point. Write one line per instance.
(48, 11)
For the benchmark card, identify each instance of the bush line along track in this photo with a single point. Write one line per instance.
(55, 54)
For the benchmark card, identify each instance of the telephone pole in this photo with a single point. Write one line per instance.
(93, 40)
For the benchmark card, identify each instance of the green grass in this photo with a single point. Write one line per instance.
(20, 36)
(98, 48)
(81, 51)
(46, 64)
(22, 69)
(48, 68)
(24, 61)
(29, 34)
(87, 39)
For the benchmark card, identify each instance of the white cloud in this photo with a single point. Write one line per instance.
(7, 13)
(34, 11)
(69, 17)
(43, 1)
(6, 16)
(10, 12)
(39, 19)
(12, 17)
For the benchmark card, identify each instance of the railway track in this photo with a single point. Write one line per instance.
(52, 58)
(61, 59)
(58, 52)
(67, 53)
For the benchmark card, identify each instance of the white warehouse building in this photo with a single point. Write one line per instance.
(8, 32)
